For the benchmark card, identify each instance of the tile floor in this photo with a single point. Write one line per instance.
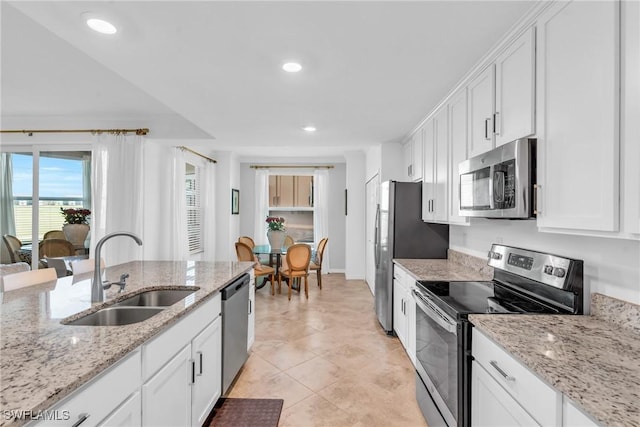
(328, 358)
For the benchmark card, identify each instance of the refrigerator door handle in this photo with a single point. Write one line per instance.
(376, 247)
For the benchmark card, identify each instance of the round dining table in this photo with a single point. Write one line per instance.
(267, 250)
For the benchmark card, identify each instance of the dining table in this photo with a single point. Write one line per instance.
(62, 264)
(274, 253)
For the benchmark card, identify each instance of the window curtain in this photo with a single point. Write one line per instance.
(178, 243)
(209, 211)
(321, 212)
(86, 182)
(262, 207)
(7, 217)
(117, 202)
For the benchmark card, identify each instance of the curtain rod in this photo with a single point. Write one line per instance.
(183, 148)
(142, 131)
(291, 167)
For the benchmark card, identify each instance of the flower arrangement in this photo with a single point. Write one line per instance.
(75, 216)
(275, 223)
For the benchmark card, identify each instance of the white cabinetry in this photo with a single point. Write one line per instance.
(457, 152)
(126, 415)
(481, 108)
(251, 332)
(207, 377)
(578, 138)
(413, 156)
(574, 417)
(510, 378)
(404, 310)
(436, 168)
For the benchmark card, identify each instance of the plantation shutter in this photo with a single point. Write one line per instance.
(194, 211)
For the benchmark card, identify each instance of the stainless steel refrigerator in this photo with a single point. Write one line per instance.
(401, 233)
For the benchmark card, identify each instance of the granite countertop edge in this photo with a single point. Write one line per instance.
(457, 267)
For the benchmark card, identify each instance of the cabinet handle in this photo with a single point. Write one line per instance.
(193, 371)
(536, 190)
(409, 170)
(200, 357)
(495, 123)
(486, 129)
(81, 418)
(501, 372)
(250, 308)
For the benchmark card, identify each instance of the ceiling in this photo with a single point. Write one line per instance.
(212, 69)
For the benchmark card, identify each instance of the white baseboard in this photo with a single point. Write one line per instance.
(336, 270)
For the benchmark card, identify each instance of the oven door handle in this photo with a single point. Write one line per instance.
(436, 315)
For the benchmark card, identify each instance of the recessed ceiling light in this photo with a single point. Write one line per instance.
(101, 26)
(309, 129)
(292, 67)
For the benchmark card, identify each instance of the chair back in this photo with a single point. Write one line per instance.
(85, 265)
(13, 245)
(56, 248)
(54, 234)
(244, 252)
(298, 257)
(288, 241)
(16, 267)
(247, 241)
(28, 278)
(320, 250)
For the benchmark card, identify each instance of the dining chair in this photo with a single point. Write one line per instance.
(16, 267)
(316, 264)
(247, 241)
(244, 253)
(297, 266)
(288, 241)
(28, 278)
(51, 248)
(85, 265)
(13, 245)
(54, 234)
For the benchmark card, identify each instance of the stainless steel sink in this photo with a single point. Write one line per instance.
(116, 316)
(156, 298)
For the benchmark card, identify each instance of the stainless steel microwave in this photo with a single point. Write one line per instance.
(500, 183)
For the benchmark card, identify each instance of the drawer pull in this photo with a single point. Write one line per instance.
(501, 372)
(81, 418)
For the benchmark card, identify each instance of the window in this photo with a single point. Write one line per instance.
(194, 209)
(291, 197)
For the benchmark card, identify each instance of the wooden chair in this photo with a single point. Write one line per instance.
(85, 265)
(52, 248)
(28, 278)
(245, 253)
(297, 266)
(13, 245)
(16, 267)
(316, 265)
(288, 241)
(247, 241)
(54, 234)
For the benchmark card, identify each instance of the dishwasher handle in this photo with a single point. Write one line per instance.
(234, 287)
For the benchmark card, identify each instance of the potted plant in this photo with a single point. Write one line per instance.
(276, 231)
(76, 225)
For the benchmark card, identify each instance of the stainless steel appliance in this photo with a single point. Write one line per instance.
(401, 233)
(525, 281)
(500, 183)
(235, 329)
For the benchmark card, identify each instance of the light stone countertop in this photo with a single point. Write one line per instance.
(43, 361)
(458, 267)
(594, 362)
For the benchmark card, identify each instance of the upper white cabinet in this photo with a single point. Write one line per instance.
(457, 152)
(578, 137)
(481, 108)
(413, 156)
(436, 167)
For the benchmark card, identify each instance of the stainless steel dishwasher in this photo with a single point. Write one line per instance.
(235, 325)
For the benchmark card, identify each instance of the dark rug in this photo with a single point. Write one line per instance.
(230, 412)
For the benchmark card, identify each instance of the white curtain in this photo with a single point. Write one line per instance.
(209, 211)
(321, 212)
(178, 243)
(117, 202)
(262, 207)
(7, 217)
(86, 182)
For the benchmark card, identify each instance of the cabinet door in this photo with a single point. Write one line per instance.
(428, 177)
(407, 152)
(251, 332)
(574, 417)
(273, 191)
(399, 319)
(410, 311)
(491, 405)
(457, 152)
(166, 397)
(285, 190)
(515, 90)
(481, 108)
(304, 191)
(128, 414)
(418, 141)
(206, 351)
(578, 91)
(441, 165)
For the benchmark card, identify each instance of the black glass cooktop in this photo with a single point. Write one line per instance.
(461, 298)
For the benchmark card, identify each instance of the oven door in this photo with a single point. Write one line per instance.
(437, 356)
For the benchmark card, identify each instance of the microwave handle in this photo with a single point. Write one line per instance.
(492, 204)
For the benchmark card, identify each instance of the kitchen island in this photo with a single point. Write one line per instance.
(43, 360)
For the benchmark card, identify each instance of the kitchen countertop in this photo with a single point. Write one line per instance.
(43, 360)
(458, 267)
(594, 362)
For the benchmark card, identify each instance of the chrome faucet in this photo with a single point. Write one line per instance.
(97, 288)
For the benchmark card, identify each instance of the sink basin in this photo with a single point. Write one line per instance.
(116, 316)
(156, 298)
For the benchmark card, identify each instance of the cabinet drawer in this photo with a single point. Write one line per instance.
(539, 399)
(399, 273)
(157, 352)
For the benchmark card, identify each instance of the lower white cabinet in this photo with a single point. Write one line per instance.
(399, 317)
(574, 417)
(126, 415)
(251, 332)
(207, 378)
(404, 311)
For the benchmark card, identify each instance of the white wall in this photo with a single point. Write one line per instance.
(386, 160)
(157, 206)
(611, 266)
(227, 225)
(355, 227)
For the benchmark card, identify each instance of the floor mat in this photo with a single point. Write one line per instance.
(231, 412)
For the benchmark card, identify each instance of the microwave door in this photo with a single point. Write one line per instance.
(498, 188)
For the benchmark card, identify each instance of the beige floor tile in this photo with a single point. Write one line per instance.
(316, 411)
(316, 373)
(278, 386)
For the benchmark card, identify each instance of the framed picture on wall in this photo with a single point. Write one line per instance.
(235, 201)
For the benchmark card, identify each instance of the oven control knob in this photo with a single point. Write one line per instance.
(548, 269)
(559, 272)
(495, 255)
